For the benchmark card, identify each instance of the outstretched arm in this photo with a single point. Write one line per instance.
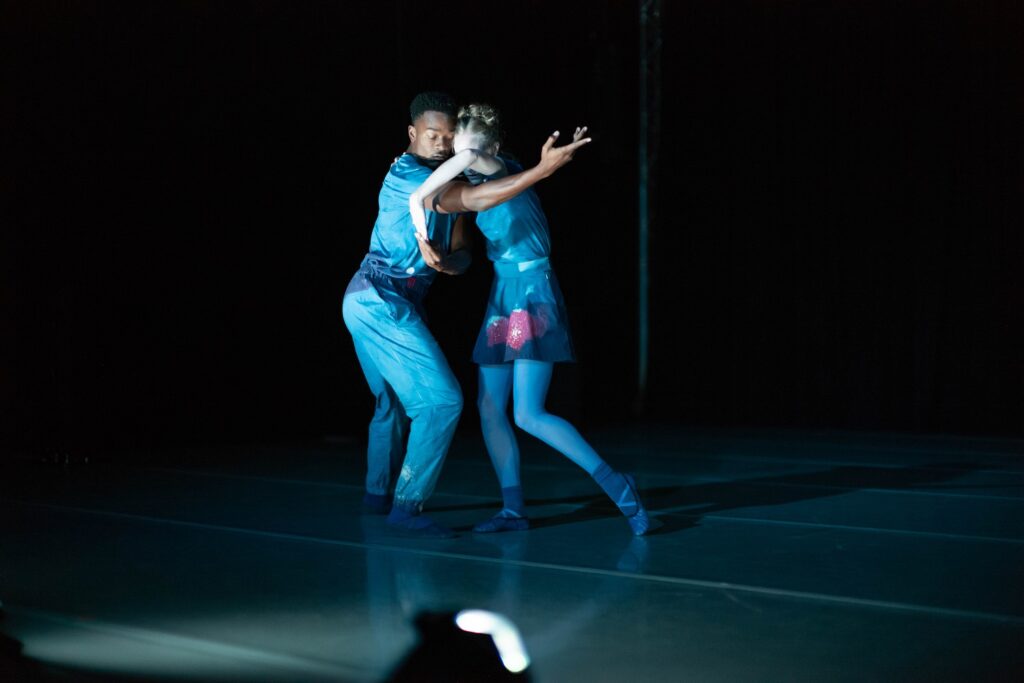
(462, 197)
(467, 158)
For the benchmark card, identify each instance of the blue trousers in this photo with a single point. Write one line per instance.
(416, 393)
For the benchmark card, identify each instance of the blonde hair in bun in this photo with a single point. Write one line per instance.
(481, 120)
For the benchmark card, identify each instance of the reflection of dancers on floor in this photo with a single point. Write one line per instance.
(525, 330)
(415, 390)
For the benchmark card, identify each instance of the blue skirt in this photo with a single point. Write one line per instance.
(526, 318)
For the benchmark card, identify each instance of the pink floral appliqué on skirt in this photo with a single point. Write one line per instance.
(515, 330)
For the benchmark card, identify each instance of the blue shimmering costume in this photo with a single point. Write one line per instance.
(525, 318)
(408, 374)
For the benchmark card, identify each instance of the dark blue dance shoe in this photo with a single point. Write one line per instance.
(635, 512)
(412, 523)
(506, 520)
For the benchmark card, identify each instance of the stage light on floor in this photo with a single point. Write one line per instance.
(502, 631)
(469, 645)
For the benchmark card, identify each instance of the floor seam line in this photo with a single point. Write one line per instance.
(702, 583)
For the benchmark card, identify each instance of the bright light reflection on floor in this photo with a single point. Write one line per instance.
(504, 633)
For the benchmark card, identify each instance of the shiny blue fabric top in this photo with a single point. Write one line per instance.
(394, 250)
(516, 230)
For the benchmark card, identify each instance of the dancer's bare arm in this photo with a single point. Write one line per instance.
(459, 197)
(478, 160)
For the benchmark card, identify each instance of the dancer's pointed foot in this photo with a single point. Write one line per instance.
(506, 520)
(416, 524)
(376, 504)
(621, 488)
(639, 522)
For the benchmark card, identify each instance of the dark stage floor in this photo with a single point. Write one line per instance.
(781, 557)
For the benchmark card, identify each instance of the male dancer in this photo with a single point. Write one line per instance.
(408, 374)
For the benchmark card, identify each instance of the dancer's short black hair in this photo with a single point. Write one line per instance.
(431, 101)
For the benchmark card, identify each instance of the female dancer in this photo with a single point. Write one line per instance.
(525, 331)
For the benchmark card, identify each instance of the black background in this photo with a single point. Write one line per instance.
(188, 186)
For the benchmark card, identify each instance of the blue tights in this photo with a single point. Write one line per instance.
(528, 381)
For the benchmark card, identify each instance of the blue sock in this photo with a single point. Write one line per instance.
(512, 496)
(614, 484)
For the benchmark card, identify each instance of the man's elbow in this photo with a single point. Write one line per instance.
(460, 197)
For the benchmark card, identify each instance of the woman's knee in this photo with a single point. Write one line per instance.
(527, 419)
(489, 406)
